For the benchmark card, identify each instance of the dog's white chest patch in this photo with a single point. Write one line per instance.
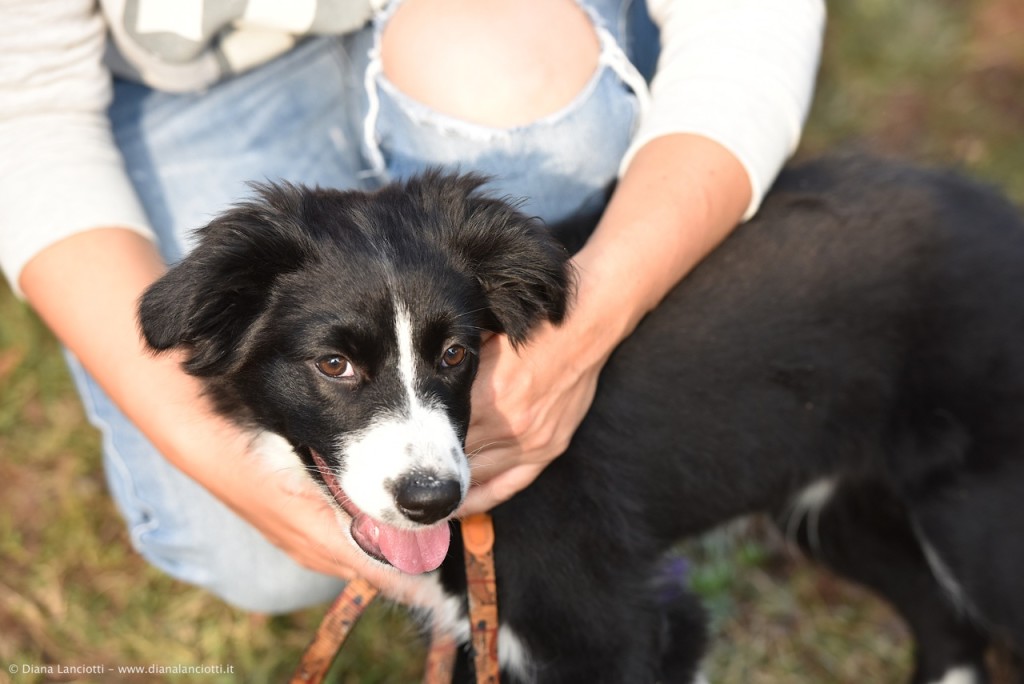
(959, 675)
(808, 505)
(513, 654)
(448, 616)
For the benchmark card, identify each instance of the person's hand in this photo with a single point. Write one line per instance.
(267, 488)
(527, 403)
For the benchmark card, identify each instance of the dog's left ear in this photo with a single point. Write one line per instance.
(525, 273)
(209, 302)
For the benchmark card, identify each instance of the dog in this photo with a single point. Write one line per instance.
(850, 362)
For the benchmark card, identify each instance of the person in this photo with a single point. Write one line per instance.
(104, 177)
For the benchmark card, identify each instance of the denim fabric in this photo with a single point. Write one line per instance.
(557, 166)
(324, 114)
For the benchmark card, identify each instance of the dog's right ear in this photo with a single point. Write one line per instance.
(524, 273)
(208, 301)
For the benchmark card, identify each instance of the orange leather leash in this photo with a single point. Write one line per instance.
(482, 590)
(333, 630)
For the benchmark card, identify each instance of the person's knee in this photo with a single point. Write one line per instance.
(276, 593)
(194, 538)
(255, 577)
(501, 63)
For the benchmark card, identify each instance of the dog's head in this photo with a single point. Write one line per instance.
(350, 324)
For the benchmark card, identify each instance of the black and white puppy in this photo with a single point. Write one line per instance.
(851, 361)
(349, 324)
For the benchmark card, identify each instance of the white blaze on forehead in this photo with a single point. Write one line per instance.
(406, 356)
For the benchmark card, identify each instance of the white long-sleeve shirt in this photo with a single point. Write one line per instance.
(740, 72)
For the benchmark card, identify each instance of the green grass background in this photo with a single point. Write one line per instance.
(938, 81)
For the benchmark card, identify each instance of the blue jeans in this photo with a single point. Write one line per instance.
(324, 114)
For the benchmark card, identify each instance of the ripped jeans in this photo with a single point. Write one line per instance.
(325, 114)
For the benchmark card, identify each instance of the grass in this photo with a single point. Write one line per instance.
(939, 81)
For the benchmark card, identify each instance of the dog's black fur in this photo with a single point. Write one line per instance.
(865, 329)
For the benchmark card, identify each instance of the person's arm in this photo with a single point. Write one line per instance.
(75, 244)
(86, 287)
(733, 88)
(60, 172)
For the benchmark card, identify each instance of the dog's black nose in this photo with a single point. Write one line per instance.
(426, 498)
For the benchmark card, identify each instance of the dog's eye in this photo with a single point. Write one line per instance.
(453, 356)
(335, 366)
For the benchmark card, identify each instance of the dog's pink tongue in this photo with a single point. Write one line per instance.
(414, 551)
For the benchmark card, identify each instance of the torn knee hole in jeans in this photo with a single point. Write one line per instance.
(378, 86)
(503, 64)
